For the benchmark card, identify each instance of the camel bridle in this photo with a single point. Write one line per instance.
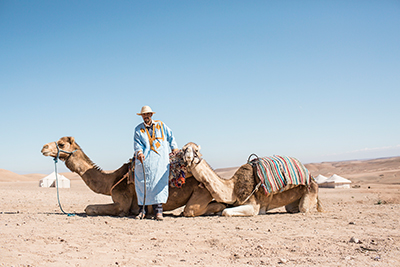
(63, 151)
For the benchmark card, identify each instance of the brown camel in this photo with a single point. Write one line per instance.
(197, 199)
(241, 190)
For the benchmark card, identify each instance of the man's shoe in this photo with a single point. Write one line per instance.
(159, 217)
(140, 216)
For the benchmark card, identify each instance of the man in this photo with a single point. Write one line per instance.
(152, 141)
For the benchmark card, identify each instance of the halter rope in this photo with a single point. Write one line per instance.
(55, 168)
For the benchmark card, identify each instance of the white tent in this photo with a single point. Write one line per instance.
(50, 181)
(336, 181)
(320, 179)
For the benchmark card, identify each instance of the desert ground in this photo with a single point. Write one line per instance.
(359, 227)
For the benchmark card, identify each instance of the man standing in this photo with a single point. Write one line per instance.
(152, 141)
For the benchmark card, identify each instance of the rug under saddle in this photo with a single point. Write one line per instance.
(177, 169)
(277, 172)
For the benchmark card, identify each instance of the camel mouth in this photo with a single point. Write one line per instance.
(46, 153)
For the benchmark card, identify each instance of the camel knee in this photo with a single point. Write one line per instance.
(214, 208)
(188, 213)
(121, 210)
(91, 210)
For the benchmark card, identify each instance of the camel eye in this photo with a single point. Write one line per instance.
(61, 145)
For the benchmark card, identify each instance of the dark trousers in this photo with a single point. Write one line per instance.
(157, 208)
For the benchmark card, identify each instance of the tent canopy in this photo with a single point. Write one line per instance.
(50, 181)
(337, 179)
(321, 179)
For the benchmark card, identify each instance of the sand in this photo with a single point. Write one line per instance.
(360, 227)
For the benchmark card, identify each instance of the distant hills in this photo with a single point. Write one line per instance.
(9, 176)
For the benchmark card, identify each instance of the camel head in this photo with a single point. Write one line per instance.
(66, 146)
(191, 153)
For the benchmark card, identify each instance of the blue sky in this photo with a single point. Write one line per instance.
(317, 80)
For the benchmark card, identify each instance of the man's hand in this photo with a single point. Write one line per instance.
(176, 150)
(140, 157)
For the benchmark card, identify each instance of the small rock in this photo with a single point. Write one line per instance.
(377, 258)
(153, 238)
(282, 261)
(352, 223)
(355, 240)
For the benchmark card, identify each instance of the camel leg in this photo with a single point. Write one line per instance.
(122, 197)
(319, 205)
(198, 203)
(120, 207)
(113, 209)
(293, 207)
(244, 210)
(263, 210)
(214, 208)
(309, 199)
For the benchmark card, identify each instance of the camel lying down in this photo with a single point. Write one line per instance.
(196, 199)
(238, 190)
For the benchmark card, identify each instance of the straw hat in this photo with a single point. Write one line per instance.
(145, 109)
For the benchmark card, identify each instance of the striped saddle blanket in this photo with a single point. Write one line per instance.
(277, 172)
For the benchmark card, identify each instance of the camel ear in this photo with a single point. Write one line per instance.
(71, 140)
(198, 148)
(184, 147)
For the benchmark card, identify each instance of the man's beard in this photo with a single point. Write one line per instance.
(148, 122)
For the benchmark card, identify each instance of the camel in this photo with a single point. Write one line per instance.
(241, 190)
(197, 199)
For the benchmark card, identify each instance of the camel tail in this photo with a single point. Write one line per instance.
(319, 205)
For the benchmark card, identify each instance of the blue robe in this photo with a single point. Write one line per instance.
(155, 145)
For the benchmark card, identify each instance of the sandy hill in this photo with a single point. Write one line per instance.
(381, 170)
(9, 176)
(71, 175)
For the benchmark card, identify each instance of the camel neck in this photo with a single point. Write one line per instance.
(221, 190)
(92, 175)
